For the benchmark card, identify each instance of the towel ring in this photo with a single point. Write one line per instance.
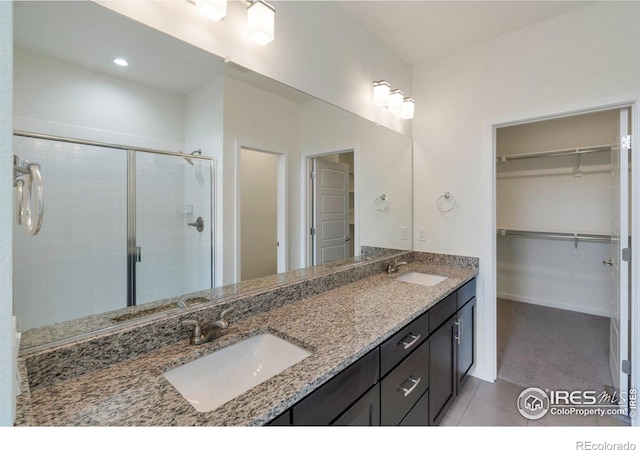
(33, 208)
(381, 203)
(444, 198)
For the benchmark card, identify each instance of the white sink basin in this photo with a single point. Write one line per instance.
(213, 380)
(424, 279)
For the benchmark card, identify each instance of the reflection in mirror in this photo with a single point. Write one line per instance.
(185, 208)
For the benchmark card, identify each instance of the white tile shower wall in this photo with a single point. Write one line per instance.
(198, 267)
(76, 265)
(160, 226)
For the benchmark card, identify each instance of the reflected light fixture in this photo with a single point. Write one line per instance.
(395, 101)
(213, 9)
(261, 21)
(381, 91)
(121, 62)
(408, 108)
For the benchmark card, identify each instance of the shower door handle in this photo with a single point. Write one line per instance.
(138, 254)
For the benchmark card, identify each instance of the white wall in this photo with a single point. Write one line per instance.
(7, 367)
(257, 119)
(52, 90)
(544, 194)
(567, 61)
(382, 166)
(318, 49)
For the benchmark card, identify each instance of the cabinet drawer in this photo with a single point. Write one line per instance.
(439, 313)
(466, 293)
(328, 401)
(419, 414)
(394, 349)
(402, 388)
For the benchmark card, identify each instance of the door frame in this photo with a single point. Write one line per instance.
(281, 214)
(489, 286)
(306, 201)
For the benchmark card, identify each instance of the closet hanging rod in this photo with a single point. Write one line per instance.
(587, 237)
(552, 153)
(48, 137)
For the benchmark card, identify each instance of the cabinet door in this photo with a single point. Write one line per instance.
(363, 413)
(465, 342)
(442, 385)
(282, 420)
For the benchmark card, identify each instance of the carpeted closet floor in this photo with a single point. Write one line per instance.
(552, 348)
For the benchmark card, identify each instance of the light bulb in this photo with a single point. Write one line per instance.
(381, 91)
(408, 108)
(395, 101)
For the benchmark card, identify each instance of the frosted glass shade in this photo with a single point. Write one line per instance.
(408, 107)
(213, 9)
(261, 19)
(395, 101)
(381, 91)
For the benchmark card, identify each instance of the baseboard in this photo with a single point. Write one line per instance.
(559, 305)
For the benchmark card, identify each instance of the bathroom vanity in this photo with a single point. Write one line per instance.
(381, 351)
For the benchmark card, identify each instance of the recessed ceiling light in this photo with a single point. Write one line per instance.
(121, 62)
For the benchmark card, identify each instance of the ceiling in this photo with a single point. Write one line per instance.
(418, 31)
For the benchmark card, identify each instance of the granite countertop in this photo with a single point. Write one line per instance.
(338, 327)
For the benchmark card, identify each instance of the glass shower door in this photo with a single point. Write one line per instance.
(172, 252)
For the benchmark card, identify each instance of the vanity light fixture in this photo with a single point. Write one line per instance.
(395, 101)
(381, 91)
(213, 9)
(121, 62)
(408, 108)
(261, 18)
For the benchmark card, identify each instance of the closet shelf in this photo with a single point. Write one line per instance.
(552, 153)
(589, 237)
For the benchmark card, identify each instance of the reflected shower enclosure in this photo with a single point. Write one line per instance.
(116, 232)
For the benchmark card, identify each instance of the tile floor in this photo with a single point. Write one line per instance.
(494, 404)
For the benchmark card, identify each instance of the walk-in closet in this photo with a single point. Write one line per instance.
(557, 208)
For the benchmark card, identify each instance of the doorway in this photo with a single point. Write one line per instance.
(563, 285)
(261, 222)
(332, 207)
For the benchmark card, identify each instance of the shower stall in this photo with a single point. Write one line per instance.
(122, 226)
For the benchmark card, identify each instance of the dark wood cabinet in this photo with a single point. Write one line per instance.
(363, 413)
(465, 342)
(330, 400)
(442, 362)
(411, 379)
(404, 386)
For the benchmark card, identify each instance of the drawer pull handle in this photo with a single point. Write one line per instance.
(414, 339)
(410, 390)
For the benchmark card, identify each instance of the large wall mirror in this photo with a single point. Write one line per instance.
(181, 173)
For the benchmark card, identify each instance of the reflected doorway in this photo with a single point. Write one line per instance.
(259, 175)
(332, 212)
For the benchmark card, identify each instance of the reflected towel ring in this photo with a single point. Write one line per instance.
(446, 197)
(381, 203)
(19, 200)
(33, 201)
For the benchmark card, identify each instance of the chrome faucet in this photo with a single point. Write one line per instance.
(203, 335)
(394, 267)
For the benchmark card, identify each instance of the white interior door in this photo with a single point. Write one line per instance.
(330, 211)
(619, 326)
